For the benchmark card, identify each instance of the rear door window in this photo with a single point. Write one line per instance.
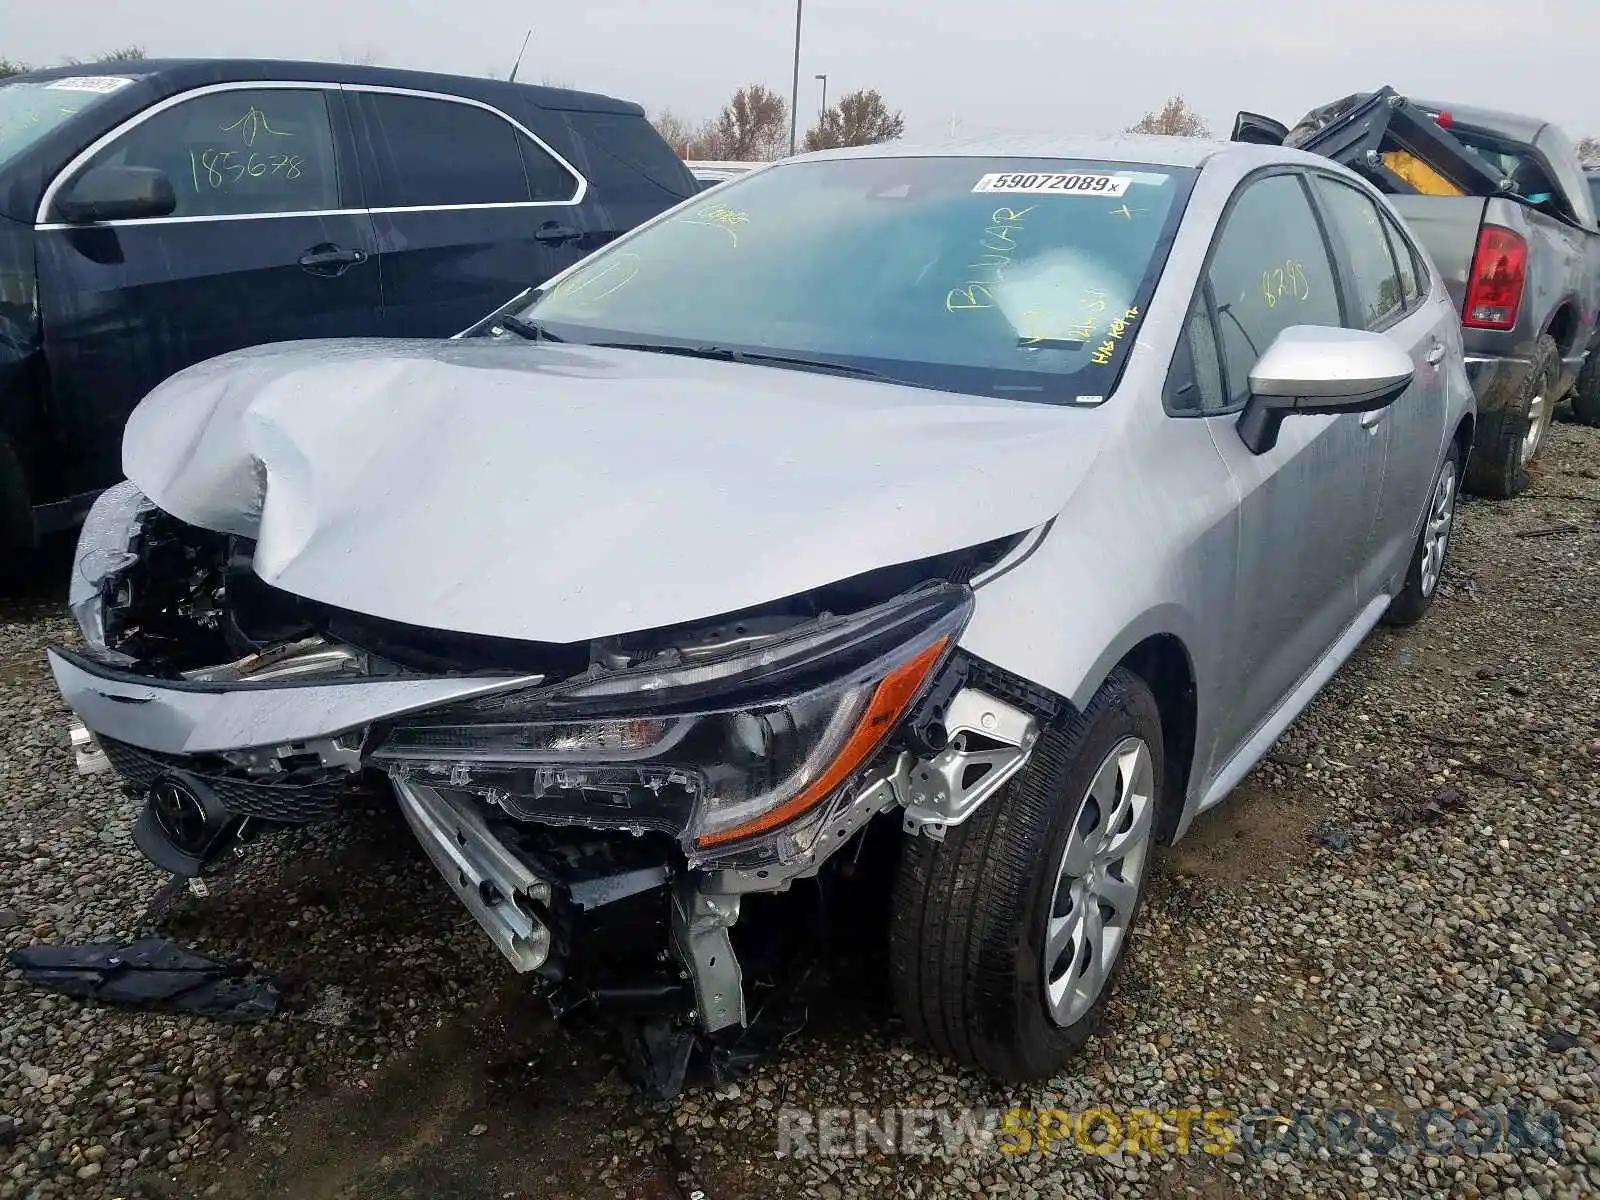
(444, 153)
(1380, 294)
(238, 152)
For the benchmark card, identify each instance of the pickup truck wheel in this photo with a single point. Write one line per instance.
(1513, 420)
(1586, 396)
(1433, 545)
(1006, 936)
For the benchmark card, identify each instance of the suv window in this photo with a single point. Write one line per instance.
(1269, 270)
(238, 152)
(1379, 293)
(443, 152)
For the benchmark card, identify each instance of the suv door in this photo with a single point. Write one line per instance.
(1387, 291)
(268, 242)
(470, 208)
(1307, 506)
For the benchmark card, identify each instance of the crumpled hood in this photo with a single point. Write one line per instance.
(558, 493)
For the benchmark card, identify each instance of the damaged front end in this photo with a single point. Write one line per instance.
(602, 809)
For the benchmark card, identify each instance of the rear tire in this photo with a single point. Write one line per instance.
(1513, 421)
(972, 915)
(1433, 544)
(1586, 395)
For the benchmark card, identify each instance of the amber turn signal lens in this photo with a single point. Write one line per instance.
(888, 704)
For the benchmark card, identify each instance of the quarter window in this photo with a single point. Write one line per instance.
(1413, 282)
(1379, 292)
(1269, 270)
(442, 152)
(238, 152)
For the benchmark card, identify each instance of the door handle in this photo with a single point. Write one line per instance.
(553, 233)
(327, 259)
(1436, 355)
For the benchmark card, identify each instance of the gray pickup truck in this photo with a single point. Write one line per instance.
(1504, 209)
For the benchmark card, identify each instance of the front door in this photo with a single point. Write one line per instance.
(1307, 506)
(269, 242)
(469, 208)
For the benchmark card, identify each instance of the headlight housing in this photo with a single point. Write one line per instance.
(105, 549)
(724, 752)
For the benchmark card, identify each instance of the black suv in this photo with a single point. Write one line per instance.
(154, 214)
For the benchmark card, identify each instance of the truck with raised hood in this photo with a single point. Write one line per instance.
(1502, 205)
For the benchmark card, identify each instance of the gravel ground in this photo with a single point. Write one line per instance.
(1397, 910)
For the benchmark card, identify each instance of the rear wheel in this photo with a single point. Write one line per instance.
(1006, 936)
(1586, 396)
(1433, 545)
(1514, 419)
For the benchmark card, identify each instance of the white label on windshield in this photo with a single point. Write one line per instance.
(1071, 185)
(89, 83)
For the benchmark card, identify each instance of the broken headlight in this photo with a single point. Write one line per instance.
(717, 751)
(104, 552)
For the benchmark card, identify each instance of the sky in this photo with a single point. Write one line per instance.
(1092, 66)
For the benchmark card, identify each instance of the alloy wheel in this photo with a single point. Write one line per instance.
(1436, 530)
(1097, 881)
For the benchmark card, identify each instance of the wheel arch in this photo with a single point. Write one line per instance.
(1564, 324)
(1163, 663)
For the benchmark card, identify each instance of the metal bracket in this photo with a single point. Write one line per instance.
(990, 741)
(700, 924)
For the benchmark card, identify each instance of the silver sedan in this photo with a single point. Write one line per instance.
(1009, 498)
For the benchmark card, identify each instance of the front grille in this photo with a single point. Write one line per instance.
(305, 801)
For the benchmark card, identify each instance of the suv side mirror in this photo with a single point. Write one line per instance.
(117, 194)
(1311, 369)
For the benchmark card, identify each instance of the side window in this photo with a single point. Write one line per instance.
(1376, 278)
(547, 179)
(1269, 270)
(238, 152)
(1196, 386)
(439, 152)
(1413, 283)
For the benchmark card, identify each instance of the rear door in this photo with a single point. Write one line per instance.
(269, 242)
(469, 207)
(1386, 295)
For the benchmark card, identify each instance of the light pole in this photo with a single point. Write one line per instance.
(824, 78)
(794, 87)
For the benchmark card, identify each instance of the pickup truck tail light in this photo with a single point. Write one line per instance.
(1494, 285)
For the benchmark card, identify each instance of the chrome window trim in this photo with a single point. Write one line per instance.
(43, 223)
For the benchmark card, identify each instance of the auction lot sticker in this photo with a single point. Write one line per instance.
(88, 83)
(1074, 184)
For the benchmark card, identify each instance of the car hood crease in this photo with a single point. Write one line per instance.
(558, 492)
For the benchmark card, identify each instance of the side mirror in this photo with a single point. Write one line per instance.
(1263, 131)
(117, 194)
(1316, 369)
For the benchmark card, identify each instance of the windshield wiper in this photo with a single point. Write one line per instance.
(756, 357)
(526, 329)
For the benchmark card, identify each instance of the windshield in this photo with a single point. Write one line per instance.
(29, 109)
(1018, 278)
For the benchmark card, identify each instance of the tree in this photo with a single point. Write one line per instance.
(1175, 118)
(861, 118)
(7, 67)
(122, 54)
(753, 126)
(1589, 151)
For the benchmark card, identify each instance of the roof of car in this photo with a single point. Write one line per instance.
(1515, 126)
(180, 74)
(1151, 149)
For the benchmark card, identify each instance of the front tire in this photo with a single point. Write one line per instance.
(1433, 544)
(1007, 936)
(1513, 421)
